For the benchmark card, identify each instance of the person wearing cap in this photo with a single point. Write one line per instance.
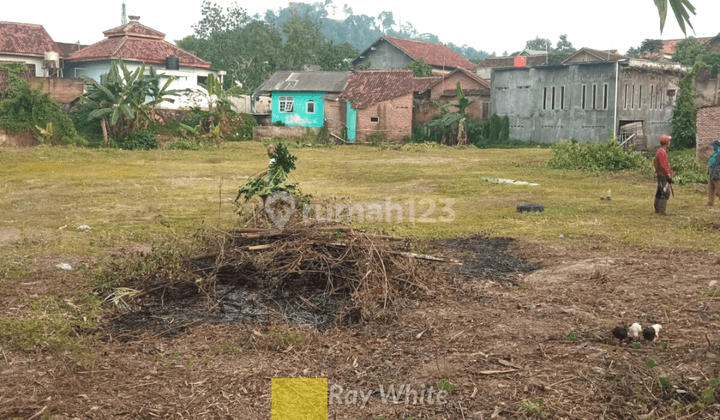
(714, 173)
(664, 175)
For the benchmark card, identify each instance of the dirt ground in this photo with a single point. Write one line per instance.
(521, 333)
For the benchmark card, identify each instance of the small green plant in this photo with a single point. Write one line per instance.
(534, 407)
(339, 235)
(572, 336)
(283, 341)
(445, 385)
(708, 395)
(276, 180)
(228, 348)
(636, 345)
(375, 139)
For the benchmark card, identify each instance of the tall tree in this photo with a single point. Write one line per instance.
(303, 41)
(539, 44)
(215, 20)
(386, 20)
(688, 50)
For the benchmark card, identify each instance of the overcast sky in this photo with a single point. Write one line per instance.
(493, 26)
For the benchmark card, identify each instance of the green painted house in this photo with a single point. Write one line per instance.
(304, 98)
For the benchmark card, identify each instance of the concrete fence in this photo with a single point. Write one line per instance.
(269, 131)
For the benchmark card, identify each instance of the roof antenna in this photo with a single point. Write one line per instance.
(123, 16)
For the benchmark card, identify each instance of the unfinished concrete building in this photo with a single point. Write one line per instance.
(588, 101)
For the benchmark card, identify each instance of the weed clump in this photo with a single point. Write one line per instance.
(595, 156)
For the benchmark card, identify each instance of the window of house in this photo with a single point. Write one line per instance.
(640, 97)
(486, 110)
(201, 79)
(311, 107)
(652, 96)
(374, 119)
(286, 104)
(582, 97)
(594, 97)
(632, 98)
(626, 96)
(553, 98)
(605, 96)
(544, 98)
(562, 97)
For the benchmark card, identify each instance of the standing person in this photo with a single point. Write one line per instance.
(272, 156)
(714, 174)
(664, 176)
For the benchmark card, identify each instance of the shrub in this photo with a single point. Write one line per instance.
(241, 126)
(477, 130)
(595, 156)
(24, 108)
(504, 134)
(495, 127)
(140, 139)
(686, 167)
(376, 139)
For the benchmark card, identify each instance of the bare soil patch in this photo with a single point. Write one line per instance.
(504, 347)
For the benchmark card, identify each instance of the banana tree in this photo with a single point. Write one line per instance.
(453, 121)
(123, 100)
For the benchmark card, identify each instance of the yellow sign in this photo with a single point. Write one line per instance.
(299, 399)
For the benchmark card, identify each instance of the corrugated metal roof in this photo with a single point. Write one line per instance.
(306, 81)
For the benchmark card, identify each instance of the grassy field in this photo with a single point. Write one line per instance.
(133, 197)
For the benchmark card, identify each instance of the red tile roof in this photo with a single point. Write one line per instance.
(421, 84)
(26, 39)
(368, 87)
(136, 42)
(69, 48)
(433, 54)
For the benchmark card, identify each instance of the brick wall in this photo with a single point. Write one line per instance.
(62, 91)
(708, 130)
(269, 131)
(333, 118)
(394, 119)
(18, 138)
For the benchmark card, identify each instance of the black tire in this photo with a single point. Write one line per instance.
(530, 207)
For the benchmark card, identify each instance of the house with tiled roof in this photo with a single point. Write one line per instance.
(30, 44)
(396, 53)
(136, 44)
(305, 98)
(443, 90)
(526, 58)
(379, 101)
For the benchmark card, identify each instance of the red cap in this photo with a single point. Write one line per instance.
(665, 139)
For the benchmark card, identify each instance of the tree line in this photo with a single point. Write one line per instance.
(251, 48)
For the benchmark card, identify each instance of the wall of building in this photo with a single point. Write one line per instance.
(63, 91)
(525, 95)
(708, 130)
(185, 78)
(300, 117)
(333, 117)
(393, 119)
(269, 131)
(37, 61)
(385, 56)
(648, 96)
(706, 91)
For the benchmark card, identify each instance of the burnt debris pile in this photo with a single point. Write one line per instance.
(306, 274)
